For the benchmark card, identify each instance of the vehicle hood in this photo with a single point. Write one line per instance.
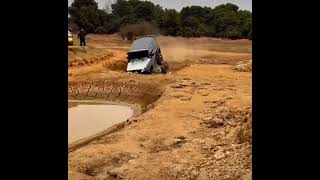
(138, 64)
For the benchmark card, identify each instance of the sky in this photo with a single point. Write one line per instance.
(179, 4)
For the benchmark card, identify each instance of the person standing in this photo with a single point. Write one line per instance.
(82, 37)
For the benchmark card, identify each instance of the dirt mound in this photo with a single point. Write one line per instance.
(244, 66)
(79, 56)
(86, 61)
(120, 65)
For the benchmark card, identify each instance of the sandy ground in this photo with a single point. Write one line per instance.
(197, 118)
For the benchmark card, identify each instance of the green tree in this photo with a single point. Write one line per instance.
(226, 21)
(121, 8)
(228, 7)
(135, 11)
(85, 14)
(113, 25)
(191, 22)
(129, 19)
(232, 33)
(191, 26)
(201, 13)
(145, 10)
(245, 22)
(169, 22)
(158, 11)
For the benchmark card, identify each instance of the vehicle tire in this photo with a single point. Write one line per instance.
(150, 70)
(164, 71)
(159, 59)
(164, 68)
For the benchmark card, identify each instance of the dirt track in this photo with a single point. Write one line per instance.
(197, 118)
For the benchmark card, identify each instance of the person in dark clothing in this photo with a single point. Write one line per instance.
(82, 37)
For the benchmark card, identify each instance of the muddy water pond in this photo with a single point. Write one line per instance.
(85, 120)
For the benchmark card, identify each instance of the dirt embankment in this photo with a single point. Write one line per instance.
(141, 92)
(77, 59)
(197, 119)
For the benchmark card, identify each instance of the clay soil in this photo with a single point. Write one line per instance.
(195, 121)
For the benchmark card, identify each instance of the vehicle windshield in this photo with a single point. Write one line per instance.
(137, 54)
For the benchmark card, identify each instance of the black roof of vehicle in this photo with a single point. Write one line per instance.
(144, 43)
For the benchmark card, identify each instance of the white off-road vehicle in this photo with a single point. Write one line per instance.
(145, 56)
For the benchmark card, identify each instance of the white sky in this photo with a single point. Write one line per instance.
(179, 4)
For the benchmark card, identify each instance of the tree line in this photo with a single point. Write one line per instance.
(223, 21)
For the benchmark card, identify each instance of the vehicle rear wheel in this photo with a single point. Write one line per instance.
(151, 70)
(164, 68)
(159, 59)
